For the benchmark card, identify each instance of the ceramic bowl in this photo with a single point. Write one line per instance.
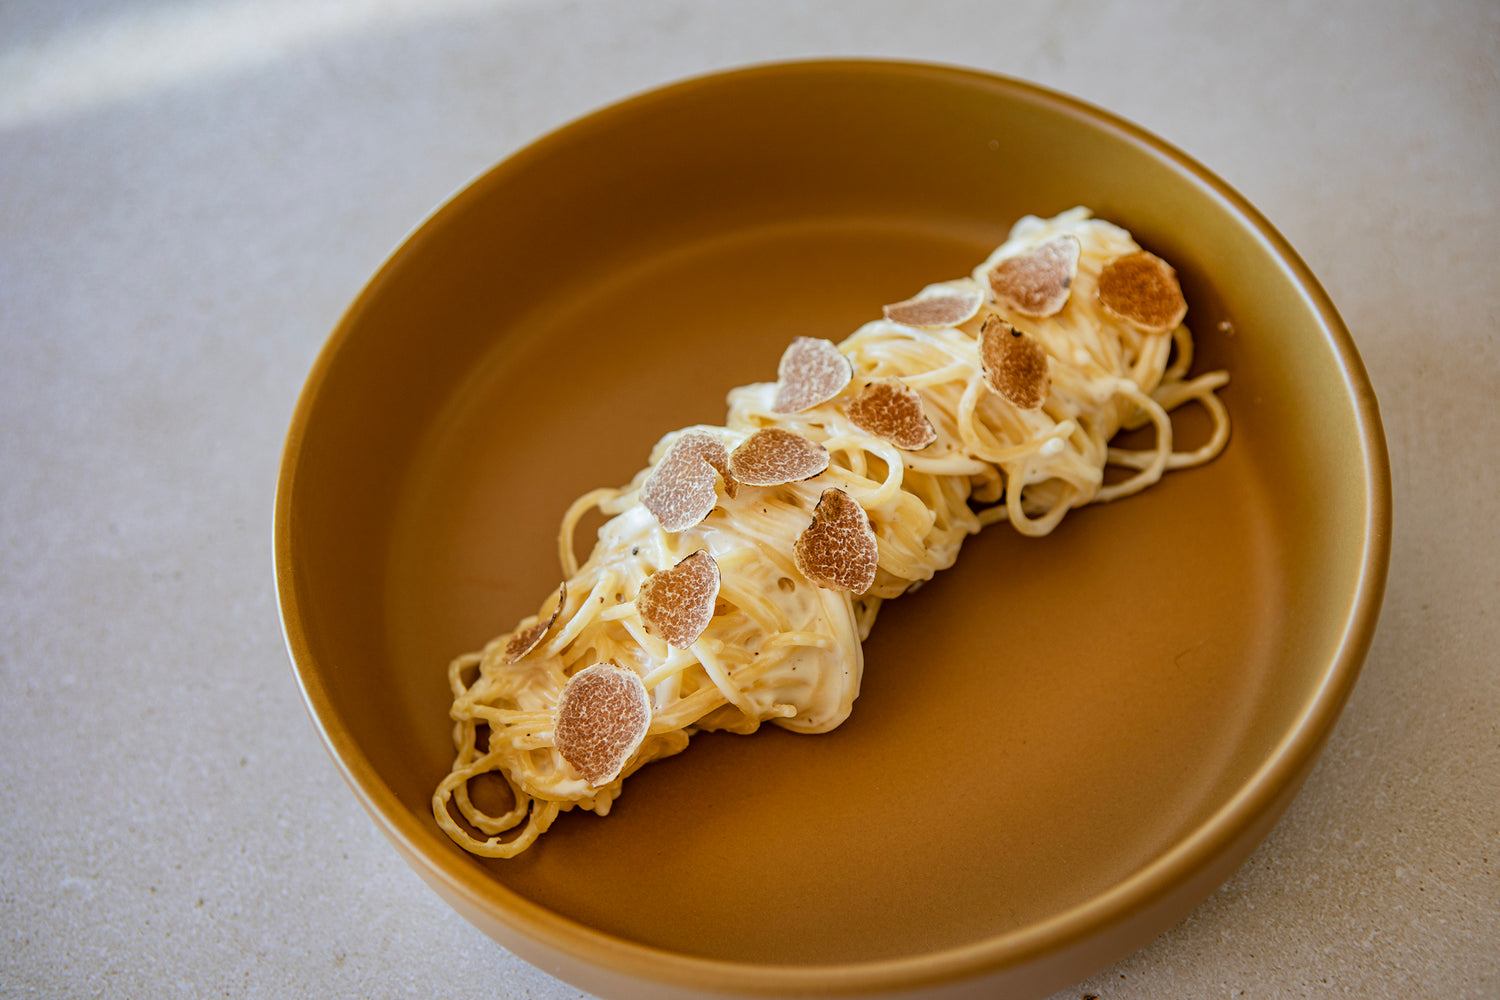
(1062, 745)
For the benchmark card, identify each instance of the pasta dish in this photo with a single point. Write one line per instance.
(738, 573)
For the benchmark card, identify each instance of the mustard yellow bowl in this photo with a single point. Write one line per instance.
(1062, 744)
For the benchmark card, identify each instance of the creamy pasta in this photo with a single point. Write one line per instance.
(985, 408)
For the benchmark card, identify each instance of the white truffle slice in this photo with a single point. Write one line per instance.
(774, 456)
(524, 640)
(811, 371)
(1038, 281)
(1014, 364)
(1142, 289)
(682, 490)
(601, 719)
(937, 308)
(891, 410)
(678, 603)
(837, 550)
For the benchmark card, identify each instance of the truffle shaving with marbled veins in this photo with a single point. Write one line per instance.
(1014, 364)
(678, 603)
(811, 371)
(937, 308)
(1037, 282)
(602, 716)
(892, 411)
(523, 641)
(773, 456)
(1141, 288)
(837, 550)
(682, 490)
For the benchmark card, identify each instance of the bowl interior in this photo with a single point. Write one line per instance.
(1037, 725)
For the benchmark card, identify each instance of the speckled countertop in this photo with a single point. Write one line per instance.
(190, 193)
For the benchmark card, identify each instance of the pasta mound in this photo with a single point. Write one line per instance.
(778, 646)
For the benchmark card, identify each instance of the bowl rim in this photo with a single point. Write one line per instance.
(430, 853)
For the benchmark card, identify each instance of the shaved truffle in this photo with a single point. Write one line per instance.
(1036, 282)
(1015, 364)
(678, 603)
(1141, 288)
(892, 411)
(773, 456)
(523, 641)
(681, 490)
(936, 308)
(811, 371)
(837, 550)
(602, 716)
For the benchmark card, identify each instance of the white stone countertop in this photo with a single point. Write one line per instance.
(191, 192)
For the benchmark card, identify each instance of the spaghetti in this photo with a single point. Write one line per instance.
(717, 601)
